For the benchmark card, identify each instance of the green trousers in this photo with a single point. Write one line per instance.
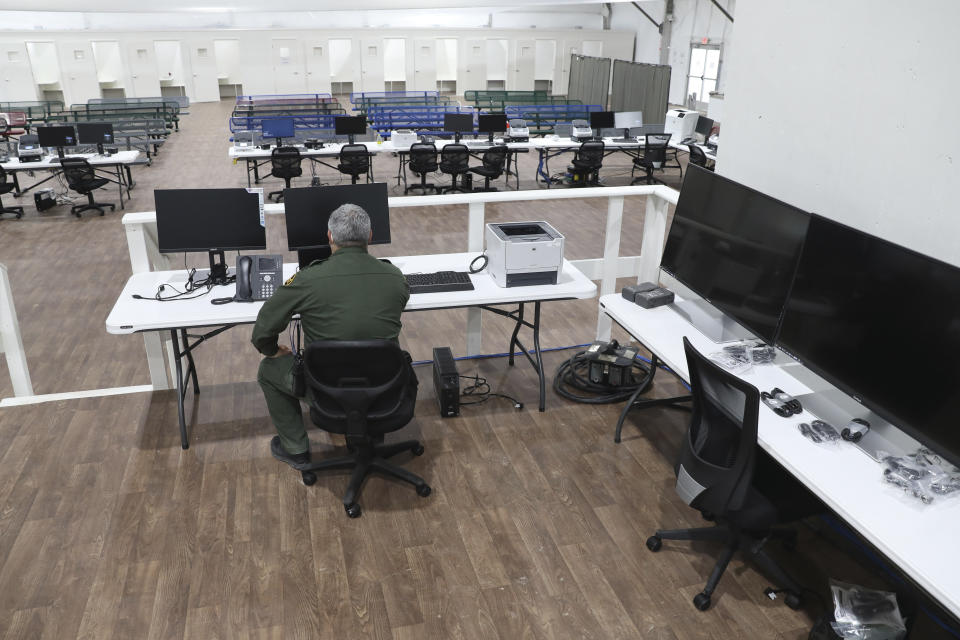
(275, 376)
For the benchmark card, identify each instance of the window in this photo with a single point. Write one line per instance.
(78, 54)
(704, 70)
(13, 56)
(201, 53)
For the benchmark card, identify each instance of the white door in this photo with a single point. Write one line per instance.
(545, 63)
(341, 63)
(371, 64)
(395, 63)
(476, 65)
(570, 48)
(109, 63)
(227, 56)
(318, 67)
(78, 71)
(203, 71)
(44, 64)
(289, 75)
(497, 62)
(424, 65)
(170, 68)
(448, 64)
(15, 73)
(523, 70)
(142, 66)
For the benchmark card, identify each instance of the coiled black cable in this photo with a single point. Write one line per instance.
(574, 374)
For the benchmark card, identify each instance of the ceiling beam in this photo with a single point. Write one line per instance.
(722, 10)
(649, 17)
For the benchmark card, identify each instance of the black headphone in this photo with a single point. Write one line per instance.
(855, 430)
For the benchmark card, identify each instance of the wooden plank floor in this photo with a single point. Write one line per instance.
(535, 528)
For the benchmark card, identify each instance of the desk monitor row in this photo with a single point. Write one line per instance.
(280, 128)
(218, 220)
(846, 304)
(85, 133)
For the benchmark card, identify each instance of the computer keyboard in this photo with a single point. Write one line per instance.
(439, 281)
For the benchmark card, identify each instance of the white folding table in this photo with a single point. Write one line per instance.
(116, 165)
(133, 315)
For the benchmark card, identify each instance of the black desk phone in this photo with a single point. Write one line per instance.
(258, 277)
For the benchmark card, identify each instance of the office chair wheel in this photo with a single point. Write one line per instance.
(793, 600)
(423, 490)
(309, 478)
(77, 213)
(701, 601)
(102, 212)
(418, 451)
(353, 510)
(654, 543)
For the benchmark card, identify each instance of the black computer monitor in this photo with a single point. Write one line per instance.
(704, 126)
(211, 220)
(278, 128)
(308, 209)
(458, 123)
(602, 120)
(98, 133)
(880, 322)
(491, 123)
(350, 126)
(735, 247)
(59, 137)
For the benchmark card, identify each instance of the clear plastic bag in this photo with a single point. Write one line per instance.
(922, 475)
(865, 614)
(819, 432)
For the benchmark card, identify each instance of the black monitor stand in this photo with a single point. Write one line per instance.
(60, 153)
(218, 267)
(351, 139)
(490, 137)
(100, 148)
(279, 142)
(305, 257)
(456, 137)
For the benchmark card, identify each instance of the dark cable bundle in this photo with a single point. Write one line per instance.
(481, 389)
(606, 371)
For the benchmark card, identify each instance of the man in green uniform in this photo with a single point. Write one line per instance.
(350, 296)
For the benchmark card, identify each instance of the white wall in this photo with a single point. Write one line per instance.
(255, 59)
(44, 62)
(855, 123)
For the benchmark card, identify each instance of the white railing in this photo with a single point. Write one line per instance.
(141, 230)
(11, 345)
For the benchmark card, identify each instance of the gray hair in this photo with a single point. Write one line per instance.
(349, 226)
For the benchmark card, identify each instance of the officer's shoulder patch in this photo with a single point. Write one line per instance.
(290, 279)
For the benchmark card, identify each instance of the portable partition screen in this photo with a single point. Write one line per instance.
(641, 87)
(589, 79)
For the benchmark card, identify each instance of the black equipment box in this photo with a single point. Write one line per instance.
(446, 382)
(44, 199)
(610, 363)
(647, 295)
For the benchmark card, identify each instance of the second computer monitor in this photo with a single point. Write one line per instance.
(491, 123)
(57, 136)
(308, 210)
(704, 126)
(208, 220)
(627, 119)
(601, 120)
(278, 128)
(350, 125)
(98, 133)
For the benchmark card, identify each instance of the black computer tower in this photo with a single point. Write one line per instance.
(446, 382)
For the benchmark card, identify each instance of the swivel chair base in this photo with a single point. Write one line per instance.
(365, 459)
(278, 194)
(18, 211)
(426, 186)
(454, 186)
(735, 540)
(91, 206)
(486, 187)
(583, 178)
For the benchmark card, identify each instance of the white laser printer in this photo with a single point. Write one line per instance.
(681, 124)
(402, 138)
(523, 253)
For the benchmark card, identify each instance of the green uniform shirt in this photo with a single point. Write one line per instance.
(350, 296)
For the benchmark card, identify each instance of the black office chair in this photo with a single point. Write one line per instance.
(423, 160)
(362, 389)
(715, 475)
(7, 187)
(494, 159)
(587, 163)
(284, 163)
(84, 180)
(699, 157)
(654, 157)
(354, 161)
(454, 160)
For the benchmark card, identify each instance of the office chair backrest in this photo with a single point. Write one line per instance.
(356, 157)
(454, 158)
(563, 130)
(698, 156)
(285, 162)
(358, 387)
(3, 176)
(655, 148)
(78, 172)
(591, 153)
(495, 157)
(423, 157)
(519, 123)
(716, 463)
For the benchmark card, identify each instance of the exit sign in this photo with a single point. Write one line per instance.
(705, 41)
